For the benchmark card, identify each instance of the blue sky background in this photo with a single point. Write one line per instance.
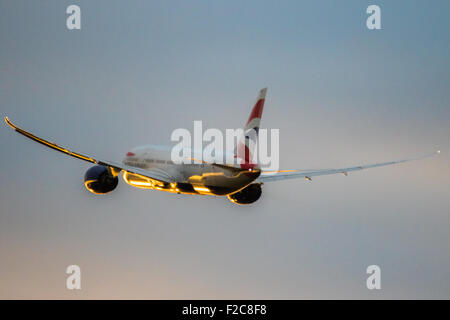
(339, 93)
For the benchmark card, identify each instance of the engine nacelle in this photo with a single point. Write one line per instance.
(100, 180)
(248, 195)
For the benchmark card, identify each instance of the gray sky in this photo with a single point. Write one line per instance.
(339, 93)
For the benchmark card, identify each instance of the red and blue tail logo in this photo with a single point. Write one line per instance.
(245, 150)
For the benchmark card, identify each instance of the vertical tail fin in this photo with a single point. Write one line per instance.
(245, 150)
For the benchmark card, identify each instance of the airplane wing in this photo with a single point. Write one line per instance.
(269, 176)
(155, 174)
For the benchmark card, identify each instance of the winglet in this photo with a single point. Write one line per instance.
(9, 123)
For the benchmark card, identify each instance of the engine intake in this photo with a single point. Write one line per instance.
(248, 195)
(100, 180)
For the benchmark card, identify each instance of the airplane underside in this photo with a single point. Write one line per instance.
(238, 186)
(216, 184)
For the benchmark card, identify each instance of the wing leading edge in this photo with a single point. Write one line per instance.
(269, 176)
(158, 175)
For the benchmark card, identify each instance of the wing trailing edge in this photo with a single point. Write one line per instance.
(269, 176)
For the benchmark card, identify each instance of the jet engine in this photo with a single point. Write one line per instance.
(247, 195)
(100, 180)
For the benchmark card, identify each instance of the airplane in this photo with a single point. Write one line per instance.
(151, 167)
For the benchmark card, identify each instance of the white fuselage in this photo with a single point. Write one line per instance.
(191, 177)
